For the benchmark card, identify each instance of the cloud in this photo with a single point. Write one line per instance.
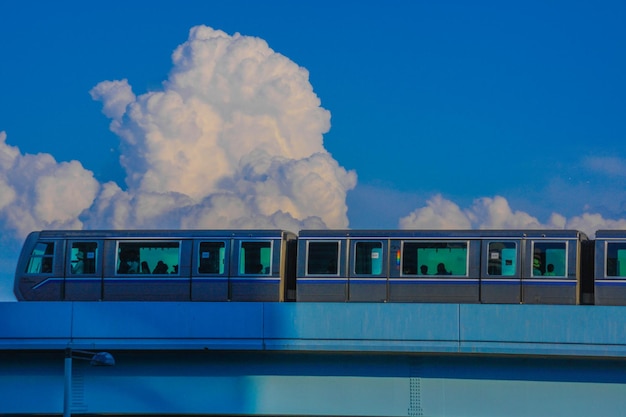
(37, 192)
(610, 166)
(236, 124)
(496, 213)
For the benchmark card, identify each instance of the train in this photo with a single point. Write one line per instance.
(410, 266)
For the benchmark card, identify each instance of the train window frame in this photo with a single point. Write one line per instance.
(543, 262)
(89, 261)
(243, 265)
(202, 256)
(493, 255)
(607, 249)
(152, 269)
(379, 255)
(41, 262)
(329, 262)
(419, 272)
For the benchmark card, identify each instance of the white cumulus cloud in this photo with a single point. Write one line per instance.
(496, 213)
(236, 124)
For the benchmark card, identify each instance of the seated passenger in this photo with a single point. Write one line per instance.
(145, 269)
(424, 269)
(550, 270)
(161, 268)
(441, 269)
(79, 266)
(537, 267)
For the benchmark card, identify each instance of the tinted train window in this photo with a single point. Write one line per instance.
(255, 258)
(83, 257)
(368, 258)
(549, 259)
(211, 258)
(148, 257)
(434, 258)
(322, 258)
(41, 258)
(502, 258)
(616, 260)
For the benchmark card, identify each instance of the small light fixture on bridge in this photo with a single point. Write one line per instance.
(94, 358)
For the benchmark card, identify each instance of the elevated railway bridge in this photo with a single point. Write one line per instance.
(313, 359)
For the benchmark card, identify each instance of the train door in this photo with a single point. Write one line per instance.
(368, 270)
(500, 272)
(210, 270)
(610, 268)
(550, 275)
(256, 270)
(321, 270)
(83, 270)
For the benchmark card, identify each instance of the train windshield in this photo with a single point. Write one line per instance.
(41, 258)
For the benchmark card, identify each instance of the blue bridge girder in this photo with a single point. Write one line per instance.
(359, 359)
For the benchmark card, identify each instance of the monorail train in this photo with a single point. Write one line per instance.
(447, 266)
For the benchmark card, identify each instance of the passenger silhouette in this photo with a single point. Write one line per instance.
(161, 268)
(79, 266)
(441, 269)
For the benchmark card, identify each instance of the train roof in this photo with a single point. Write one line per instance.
(611, 234)
(443, 234)
(163, 234)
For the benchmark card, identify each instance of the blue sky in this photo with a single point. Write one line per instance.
(442, 114)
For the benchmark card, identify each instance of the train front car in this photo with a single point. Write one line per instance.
(451, 266)
(163, 265)
(610, 267)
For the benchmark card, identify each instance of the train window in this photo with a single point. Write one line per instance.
(211, 258)
(255, 258)
(616, 259)
(434, 258)
(549, 259)
(41, 258)
(502, 258)
(148, 257)
(368, 258)
(83, 257)
(322, 258)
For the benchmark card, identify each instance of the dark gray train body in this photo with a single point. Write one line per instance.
(456, 266)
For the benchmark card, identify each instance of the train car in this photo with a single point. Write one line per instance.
(172, 265)
(610, 267)
(459, 266)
